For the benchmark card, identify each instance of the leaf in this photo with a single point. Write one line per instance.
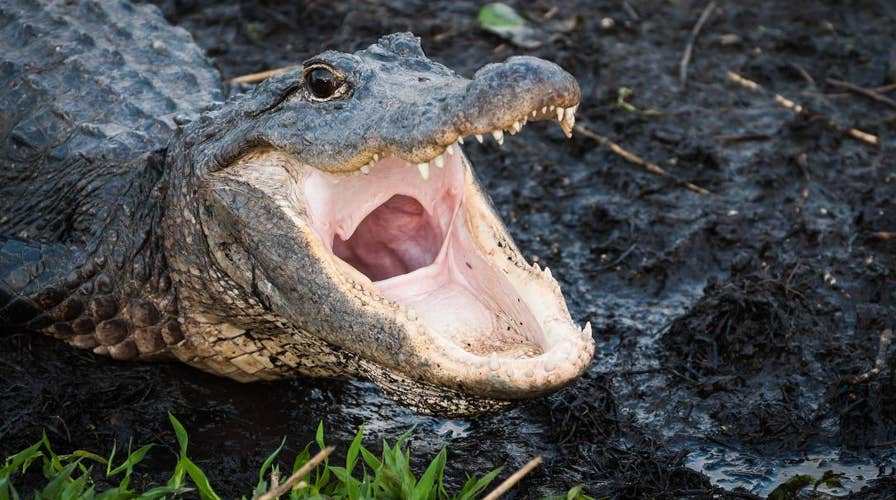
(177, 477)
(163, 491)
(473, 486)
(180, 433)
(352, 457)
(261, 487)
(575, 493)
(23, 458)
(319, 436)
(427, 480)
(830, 479)
(57, 483)
(132, 460)
(502, 20)
(500, 15)
(185, 465)
(789, 489)
(200, 480)
(370, 459)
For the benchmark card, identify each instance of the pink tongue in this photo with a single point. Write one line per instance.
(444, 302)
(396, 238)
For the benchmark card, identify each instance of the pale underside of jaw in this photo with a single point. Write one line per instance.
(414, 234)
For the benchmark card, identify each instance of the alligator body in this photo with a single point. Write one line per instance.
(326, 223)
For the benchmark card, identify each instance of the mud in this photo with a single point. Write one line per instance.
(733, 328)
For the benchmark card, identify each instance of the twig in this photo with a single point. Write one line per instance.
(275, 480)
(803, 73)
(869, 93)
(637, 160)
(742, 137)
(630, 11)
(689, 48)
(262, 75)
(880, 362)
(284, 488)
(799, 109)
(885, 444)
(883, 89)
(513, 479)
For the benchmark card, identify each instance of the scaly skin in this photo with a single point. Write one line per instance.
(128, 234)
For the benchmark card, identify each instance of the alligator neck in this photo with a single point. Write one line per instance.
(113, 295)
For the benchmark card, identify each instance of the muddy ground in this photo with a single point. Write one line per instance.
(732, 327)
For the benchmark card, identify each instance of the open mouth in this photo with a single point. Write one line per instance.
(406, 234)
(421, 240)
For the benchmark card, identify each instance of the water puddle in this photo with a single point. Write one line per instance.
(760, 475)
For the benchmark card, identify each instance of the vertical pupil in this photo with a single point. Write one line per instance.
(322, 82)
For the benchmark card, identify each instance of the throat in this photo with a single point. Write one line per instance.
(398, 237)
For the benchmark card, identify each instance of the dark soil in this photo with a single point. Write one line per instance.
(733, 328)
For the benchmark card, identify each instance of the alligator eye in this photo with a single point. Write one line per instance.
(322, 82)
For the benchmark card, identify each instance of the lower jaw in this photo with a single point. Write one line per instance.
(431, 399)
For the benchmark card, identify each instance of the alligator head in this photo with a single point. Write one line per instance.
(328, 223)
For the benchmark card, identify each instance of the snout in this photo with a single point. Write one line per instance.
(503, 93)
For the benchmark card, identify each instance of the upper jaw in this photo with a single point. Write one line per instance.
(433, 154)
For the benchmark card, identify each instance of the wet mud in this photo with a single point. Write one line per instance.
(737, 331)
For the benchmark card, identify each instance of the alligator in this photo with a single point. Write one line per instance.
(323, 223)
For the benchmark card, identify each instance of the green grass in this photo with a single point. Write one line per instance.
(86, 475)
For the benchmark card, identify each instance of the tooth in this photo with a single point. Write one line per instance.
(439, 161)
(567, 130)
(533, 113)
(479, 138)
(450, 149)
(460, 139)
(524, 121)
(586, 332)
(424, 170)
(516, 127)
(559, 113)
(499, 136)
(544, 110)
(365, 169)
(536, 266)
(493, 362)
(376, 157)
(552, 108)
(569, 120)
(547, 272)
